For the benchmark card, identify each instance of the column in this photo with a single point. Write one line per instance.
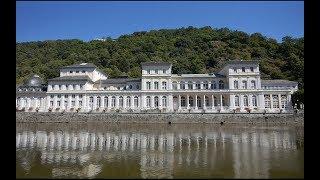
(62, 102)
(212, 101)
(271, 101)
(132, 102)
(231, 101)
(102, 101)
(250, 101)
(77, 102)
(152, 101)
(84, 102)
(289, 103)
(160, 102)
(117, 102)
(179, 102)
(195, 102)
(124, 102)
(241, 102)
(142, 102)
(95, 103)
(204, 102)
(48, 101)
(170, 102)
(261, 103)
(188, 105)
(109, 102)
(69, 101)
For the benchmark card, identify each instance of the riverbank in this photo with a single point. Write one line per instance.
(174, 118)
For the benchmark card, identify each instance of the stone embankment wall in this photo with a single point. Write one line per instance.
(160, 118)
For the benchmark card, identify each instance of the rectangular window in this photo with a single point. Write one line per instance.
(51, 103)
(80, 96)
(73, 96)
(73, 103)
(58, 103)
(65, 96)
(80, 103)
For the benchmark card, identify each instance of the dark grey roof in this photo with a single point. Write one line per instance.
(71, 78)
(154, 63)
(280, 82)
(120, 80)
(81, 65)
(30, 93)
(242, 62)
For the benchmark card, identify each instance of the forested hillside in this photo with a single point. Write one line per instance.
(190, 50)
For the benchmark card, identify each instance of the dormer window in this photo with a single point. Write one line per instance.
(156, 71)
(148, 71)
(163, 71)
(243, 69)
(71, 72)
(234, 69)
(83, 71)
(251, 69)
(77, 71)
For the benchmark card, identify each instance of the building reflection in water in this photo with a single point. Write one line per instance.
(161, 153)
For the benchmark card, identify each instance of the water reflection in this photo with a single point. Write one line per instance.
(160, 151)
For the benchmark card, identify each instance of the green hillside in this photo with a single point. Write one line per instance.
(190, 50)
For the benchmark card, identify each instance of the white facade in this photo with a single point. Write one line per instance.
(236, 88)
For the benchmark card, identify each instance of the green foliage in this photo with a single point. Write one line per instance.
(190, 50)
(298, 97)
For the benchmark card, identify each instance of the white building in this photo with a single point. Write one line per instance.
(236, 87)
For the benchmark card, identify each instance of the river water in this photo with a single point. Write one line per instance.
(96, 150)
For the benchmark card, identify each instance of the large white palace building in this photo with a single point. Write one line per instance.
(237, 87)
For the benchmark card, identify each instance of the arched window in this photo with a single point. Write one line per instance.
(205, 85)
(148, 85)
(245, 100)
(148, 101)
(164, 101)
(283, 101)
(121, 101)
(236, 101)
(221, 84)
(236, 85)
(183, 101)
(174, 85)
(182, 85)
(199, 104)
(253, 84)
(98, 101)
(136, 101)
(164, 85)
(254, 100)
(206, 98)
(190, 85)
(213, 85)
(191, 101)
(91, 102)
(113, 101)
(156, 101)
(198, 86)
(106, 101)
(275, 101)
(215, 100)
(244, 85)
(128, 102)
(156, 85)
(267, 101)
